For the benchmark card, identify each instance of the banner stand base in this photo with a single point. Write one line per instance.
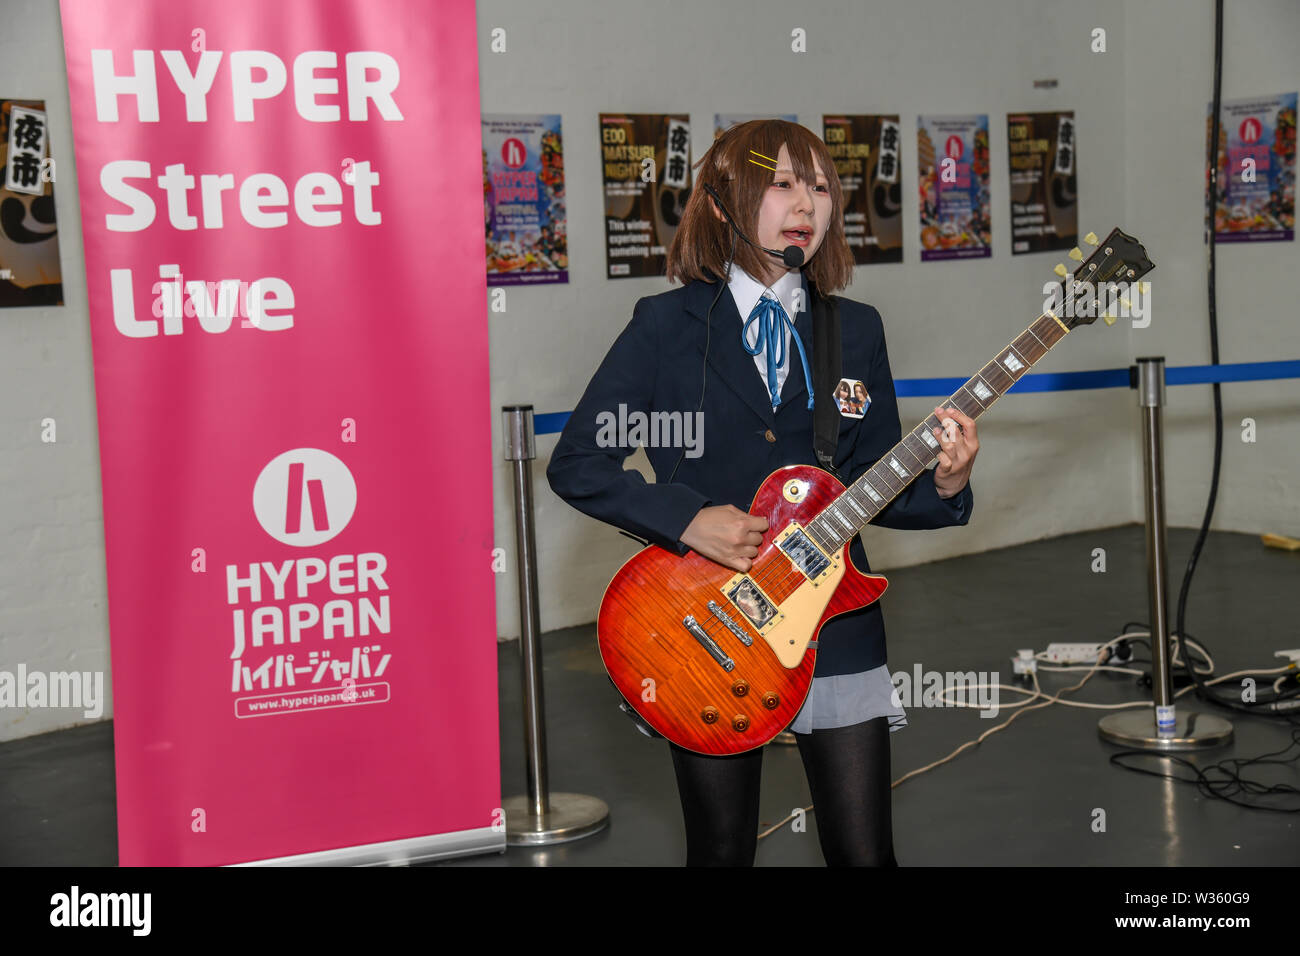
(438, 846)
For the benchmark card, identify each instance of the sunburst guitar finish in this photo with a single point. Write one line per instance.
(720, 662)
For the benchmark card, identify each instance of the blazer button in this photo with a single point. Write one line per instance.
(769, 436)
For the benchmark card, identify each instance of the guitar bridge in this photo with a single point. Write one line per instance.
(729, 623)
(708, 643)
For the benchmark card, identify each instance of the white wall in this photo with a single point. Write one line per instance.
(1049, 464)
(1170, 82)
(53, 593)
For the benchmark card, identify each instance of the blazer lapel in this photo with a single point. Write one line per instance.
(727, 357)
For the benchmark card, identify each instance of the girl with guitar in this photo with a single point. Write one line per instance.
(734, 345)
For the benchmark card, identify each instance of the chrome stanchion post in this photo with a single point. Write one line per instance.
(541, 817)
(1166, 728)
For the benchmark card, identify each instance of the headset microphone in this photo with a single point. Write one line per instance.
(792, 256)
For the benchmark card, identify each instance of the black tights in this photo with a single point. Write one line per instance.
(848, 774)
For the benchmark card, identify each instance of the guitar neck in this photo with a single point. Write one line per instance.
(884, 481)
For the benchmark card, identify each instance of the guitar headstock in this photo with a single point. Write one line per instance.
(1109, 277)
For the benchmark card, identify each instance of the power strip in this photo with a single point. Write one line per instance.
(1024, 662)
(1073, 653)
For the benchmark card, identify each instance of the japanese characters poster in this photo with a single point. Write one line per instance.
(523, 200)
(724, 121)
(301, 613)
(1256, 178)
(646, 159)
(867, 151)
(953, 161)
(1044, 183)
(30, 273)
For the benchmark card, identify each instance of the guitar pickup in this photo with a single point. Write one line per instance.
(708, 643)
(729, 623)
(803, 554)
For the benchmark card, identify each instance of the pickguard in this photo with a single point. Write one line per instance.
(788, 627)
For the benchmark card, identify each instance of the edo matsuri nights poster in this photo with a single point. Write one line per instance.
(646, 162)
(1044, 177)
(867, 151)
(29, 236)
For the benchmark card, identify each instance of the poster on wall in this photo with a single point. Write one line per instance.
(646, 162)
(523, 200)
(953, 162)
(30, 274)
(867, 151)
(302, 626)
(1256, 177)
(724, 121)
(1044, 191)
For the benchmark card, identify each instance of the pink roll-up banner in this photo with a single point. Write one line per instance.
(285, 272)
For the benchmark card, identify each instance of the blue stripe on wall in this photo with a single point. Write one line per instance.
(552, 422)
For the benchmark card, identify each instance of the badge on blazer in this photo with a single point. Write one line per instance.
(851, 398)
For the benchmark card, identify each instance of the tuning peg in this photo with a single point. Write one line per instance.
(1076, 254)
(1090, 238)
(1061, 271)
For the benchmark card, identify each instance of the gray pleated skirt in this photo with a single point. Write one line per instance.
(847, 699)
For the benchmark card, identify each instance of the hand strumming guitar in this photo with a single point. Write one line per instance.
(727, 535)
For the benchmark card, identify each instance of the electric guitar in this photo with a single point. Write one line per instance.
(719, 661)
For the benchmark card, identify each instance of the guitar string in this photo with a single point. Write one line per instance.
(764, 578)
(777, 574)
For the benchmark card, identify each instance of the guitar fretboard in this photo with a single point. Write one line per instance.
(880, 484)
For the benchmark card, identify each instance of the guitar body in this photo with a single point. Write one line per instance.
(720, 662)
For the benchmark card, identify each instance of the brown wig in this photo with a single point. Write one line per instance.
(702, 245)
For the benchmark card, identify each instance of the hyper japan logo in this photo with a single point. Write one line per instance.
(514, 153)
(954, 147)
(1250, 130)
(304, 497)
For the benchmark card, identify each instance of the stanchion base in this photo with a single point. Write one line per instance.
(1192, 731)
(572, 816)
(784, 737)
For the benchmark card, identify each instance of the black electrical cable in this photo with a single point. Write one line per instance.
(1261, 708)
(1230, 783)
(1199, 676)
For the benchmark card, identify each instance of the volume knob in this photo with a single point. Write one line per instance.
(709, 715)
(740, 688)
(740, 722)
(770, 700)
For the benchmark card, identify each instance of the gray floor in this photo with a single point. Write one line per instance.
(1026, 796)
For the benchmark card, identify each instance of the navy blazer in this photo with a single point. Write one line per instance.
(656, 365)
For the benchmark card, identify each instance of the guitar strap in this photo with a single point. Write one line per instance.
(827, 369)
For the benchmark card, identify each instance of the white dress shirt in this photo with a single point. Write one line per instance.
(746, 291)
